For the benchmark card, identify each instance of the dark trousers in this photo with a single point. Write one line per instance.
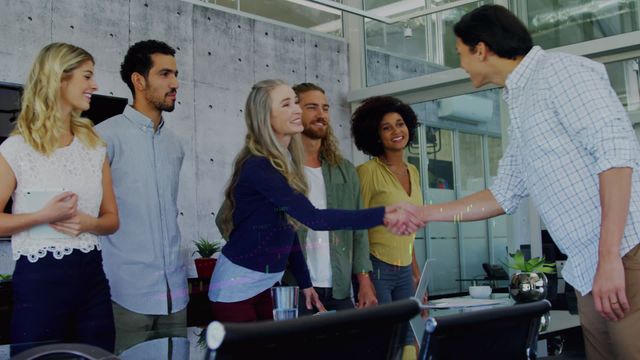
(326, 298)
(65, 300)
(259, 307)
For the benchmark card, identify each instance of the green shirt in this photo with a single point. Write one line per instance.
(349, 249)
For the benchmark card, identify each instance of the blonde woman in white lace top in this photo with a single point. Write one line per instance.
(60, 290)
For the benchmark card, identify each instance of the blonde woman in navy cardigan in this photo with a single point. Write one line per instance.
(264, 203)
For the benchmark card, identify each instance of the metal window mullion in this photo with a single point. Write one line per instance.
(487, 175)
(424, 181)
(354, 32)
(631, 83)
(457, 181)
(439, 40)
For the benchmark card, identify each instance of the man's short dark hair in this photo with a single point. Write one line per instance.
(138, 59)
(306, 87)
(498, 28)
(365, 122)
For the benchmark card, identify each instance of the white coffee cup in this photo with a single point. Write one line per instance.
(480, 292)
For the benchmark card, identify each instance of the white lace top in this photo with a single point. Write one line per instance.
(73, 168)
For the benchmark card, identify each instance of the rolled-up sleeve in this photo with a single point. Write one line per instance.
(596, 118)
(509, 187)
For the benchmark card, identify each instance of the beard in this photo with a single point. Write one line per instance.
(316, 134)
(163, 104)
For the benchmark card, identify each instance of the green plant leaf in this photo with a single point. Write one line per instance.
(534, 264)
(206, 248)
(548, 269)
(517, 261)
(537, 264)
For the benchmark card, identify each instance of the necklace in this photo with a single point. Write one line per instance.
(401, 171)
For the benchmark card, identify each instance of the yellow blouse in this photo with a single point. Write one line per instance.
(379, 187)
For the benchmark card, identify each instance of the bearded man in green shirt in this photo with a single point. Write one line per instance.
(332, 256)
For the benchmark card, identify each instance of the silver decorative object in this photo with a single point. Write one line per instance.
(528, 286)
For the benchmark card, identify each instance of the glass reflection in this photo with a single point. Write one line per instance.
(554, 23)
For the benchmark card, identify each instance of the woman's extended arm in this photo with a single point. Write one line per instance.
(261, 175)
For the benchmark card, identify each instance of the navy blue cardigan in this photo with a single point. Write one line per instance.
(262, 239)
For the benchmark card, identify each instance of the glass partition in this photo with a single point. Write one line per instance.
(497, 230)
(554, 23)
(463, 147)
(625, 79)
(442, 241)
(474, 239)
(301, 13)
(416, 47)
(457, 168)
(426, 44)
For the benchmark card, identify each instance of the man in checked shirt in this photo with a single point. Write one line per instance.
(573, 151)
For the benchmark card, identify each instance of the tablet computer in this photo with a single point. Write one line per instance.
(417, 323)
(36, 199)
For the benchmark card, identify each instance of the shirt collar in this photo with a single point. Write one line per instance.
(141, 120)
(521, 74)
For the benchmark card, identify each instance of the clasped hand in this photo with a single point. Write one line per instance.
(403, 219)
(62, 214)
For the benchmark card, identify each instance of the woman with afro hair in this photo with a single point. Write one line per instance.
(383, 127)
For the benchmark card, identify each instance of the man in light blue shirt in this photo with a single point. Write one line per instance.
(142, 259)
(573, 151)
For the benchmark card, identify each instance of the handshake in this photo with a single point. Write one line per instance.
(404, 218)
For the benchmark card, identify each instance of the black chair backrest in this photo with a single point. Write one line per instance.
(495, 272)
(371, 334)
(505, 332)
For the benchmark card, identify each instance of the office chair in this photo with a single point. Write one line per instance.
(70, 351)
(494, 272)
(505, 332)
(373, 333)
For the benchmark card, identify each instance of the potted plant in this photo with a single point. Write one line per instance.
(206, 249)
(5, 308)
(5, 281)
(529, 283)
(5, 290)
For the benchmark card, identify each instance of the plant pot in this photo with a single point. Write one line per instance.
(528, 286)
(204, 267)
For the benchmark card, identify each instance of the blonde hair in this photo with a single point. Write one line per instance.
(329, 149)
(40, 122)
(261, 141)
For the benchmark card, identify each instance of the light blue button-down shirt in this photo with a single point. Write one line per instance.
(142, 259)
(567, 126)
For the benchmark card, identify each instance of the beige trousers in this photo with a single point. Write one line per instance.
(618, 340)
(133, 328)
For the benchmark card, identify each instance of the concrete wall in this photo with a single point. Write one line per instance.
(219, 55)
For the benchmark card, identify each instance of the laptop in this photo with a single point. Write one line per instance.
(417, 323)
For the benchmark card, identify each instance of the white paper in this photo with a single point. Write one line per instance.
(461, 303)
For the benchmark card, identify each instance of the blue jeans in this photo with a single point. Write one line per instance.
(393, 283)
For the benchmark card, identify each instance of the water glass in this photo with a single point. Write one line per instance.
(285, 302)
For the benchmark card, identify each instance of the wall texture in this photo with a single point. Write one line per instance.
(219, 55)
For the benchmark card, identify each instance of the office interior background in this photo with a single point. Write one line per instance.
(352, 48)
